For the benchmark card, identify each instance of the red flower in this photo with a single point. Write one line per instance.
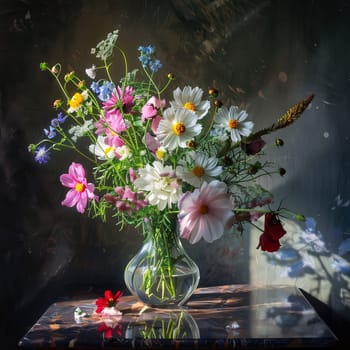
(109, 300)
(108, 330)
(273, 231)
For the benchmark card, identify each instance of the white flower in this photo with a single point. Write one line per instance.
(199, 167)
(161, 184)
(80, 130)
(191, 99)
(79, 314)
(91, 72)
(177, 127)
(232, 121)
(111, 311)
(111, 316)
(102, 150)
(123, 152)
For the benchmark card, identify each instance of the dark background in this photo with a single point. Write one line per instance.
(264, 54)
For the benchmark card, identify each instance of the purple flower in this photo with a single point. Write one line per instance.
(50, 133)
(42, 155)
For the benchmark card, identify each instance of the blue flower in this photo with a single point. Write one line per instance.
(105, 92)
(41, 155)
(147, 50)
(50, 133)
(146, 58)
(95, 87)
(155, 65)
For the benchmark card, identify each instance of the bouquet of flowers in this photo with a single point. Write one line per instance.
(162, 158)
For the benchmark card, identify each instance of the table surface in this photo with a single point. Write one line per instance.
(217, 317)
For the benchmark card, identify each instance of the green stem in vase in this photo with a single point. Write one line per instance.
(160, 264)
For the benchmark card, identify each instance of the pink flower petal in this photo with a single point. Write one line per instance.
(67, 181)
(77, 171)
(71, 199)
(82, 202)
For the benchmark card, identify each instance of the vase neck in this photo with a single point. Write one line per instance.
(162, 234)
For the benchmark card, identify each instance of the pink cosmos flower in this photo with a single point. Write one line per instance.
(122, 100)
(152, 143)
(206, 212)
(112, 124)
(150, 109)
(155, 123)
(80, 190)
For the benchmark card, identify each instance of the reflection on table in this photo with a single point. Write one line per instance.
(222, 316)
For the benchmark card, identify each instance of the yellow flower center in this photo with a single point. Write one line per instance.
(160, 154)
(79, 187)
(232, 123)
(179, 128)
(76, 100)
(203, 209)
(190, 106)
(198, 171)
(108, 149)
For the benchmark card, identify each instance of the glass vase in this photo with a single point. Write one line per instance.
(162, 274)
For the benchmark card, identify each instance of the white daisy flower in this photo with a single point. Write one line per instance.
(101, 150)
(191, 99)
(161, 184)
(177, 127)
(199, 167)
(232, 121)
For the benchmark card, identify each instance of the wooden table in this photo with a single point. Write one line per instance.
(226, 316)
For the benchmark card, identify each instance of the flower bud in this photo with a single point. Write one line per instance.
(57, 104)
(217, 103)
(31, 148)
(300, 217)
(252, 169)
(279, 142)
(171, 76)
(55, 69)
(69, 76)
(43, 66)
(213, 92)
(81, 84)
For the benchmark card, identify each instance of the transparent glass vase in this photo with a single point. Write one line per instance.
(162, 274)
